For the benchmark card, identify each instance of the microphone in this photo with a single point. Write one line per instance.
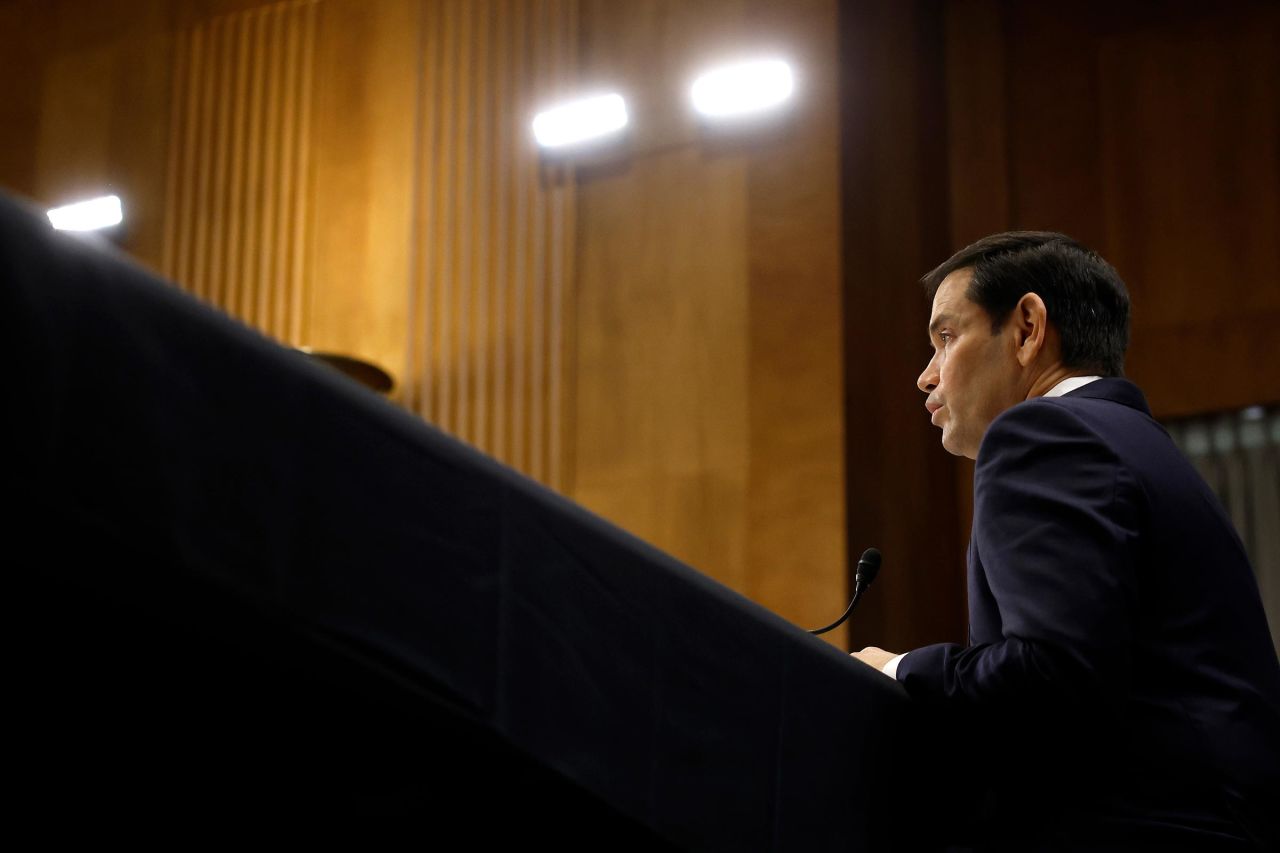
(868, 568)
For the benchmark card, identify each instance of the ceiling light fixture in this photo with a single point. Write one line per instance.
(89, 215)
(743, 88)
(580, 121)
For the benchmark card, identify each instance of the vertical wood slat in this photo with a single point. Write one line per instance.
(219, 292)
(301, 271)
(270, 148)
(201, 161)
(500, 253)
(444, 368)
(237, 288)
(237, 218)
(172, 222)
(256, 178)
(505, 135)
(426, 135)
(535, 360)
(492, 265)
(466, 229)
(562, 271)
(482, 184)
(519, 239)
(493, 234)
(288, 145)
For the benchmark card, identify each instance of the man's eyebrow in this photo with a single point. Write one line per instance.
(938, 322)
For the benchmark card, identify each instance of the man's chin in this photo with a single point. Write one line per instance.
(954, 447)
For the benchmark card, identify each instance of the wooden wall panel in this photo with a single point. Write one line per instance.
(103, 97)
(796, 553)
(708, 416)
(363, 148)
(1052, 121)
(238, 202)
(24, 24)
(902, 485)
(493, 232)
(977, 130)
(1190, 150)
(1151, 134)
(661, 427)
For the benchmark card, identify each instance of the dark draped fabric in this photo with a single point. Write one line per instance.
(244, 586)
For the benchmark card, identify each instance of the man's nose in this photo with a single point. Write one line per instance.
(929, 378)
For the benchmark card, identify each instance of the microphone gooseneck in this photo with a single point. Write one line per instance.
(868, 568)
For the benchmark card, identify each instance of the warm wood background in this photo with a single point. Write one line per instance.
(708, 334)
(656, 335)
(710, 339)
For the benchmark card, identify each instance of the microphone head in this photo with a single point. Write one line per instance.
(868, 567)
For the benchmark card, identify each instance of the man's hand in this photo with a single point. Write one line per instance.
(872, 656)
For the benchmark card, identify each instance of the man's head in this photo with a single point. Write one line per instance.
(1013, 315)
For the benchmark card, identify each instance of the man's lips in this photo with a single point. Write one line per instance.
(933, 408)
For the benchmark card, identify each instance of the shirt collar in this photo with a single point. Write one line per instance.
(1070, 384)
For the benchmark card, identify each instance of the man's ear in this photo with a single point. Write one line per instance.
(1031, 320)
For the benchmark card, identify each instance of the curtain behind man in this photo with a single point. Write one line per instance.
(1238, 454)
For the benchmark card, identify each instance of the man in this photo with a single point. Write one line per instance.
(1119, 689)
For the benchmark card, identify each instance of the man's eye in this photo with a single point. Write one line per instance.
(944, 337)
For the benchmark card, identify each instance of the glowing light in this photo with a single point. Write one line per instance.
(88, 215)
(744, 88)
(580, 121)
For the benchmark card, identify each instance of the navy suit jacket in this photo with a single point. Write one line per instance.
(1119, 685)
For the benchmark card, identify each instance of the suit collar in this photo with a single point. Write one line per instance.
(1116, 390)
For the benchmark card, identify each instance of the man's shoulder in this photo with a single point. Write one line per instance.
(1104, 411)
(1067, 440)
(1037, 422)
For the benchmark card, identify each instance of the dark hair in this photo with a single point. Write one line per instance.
(1085, 298)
